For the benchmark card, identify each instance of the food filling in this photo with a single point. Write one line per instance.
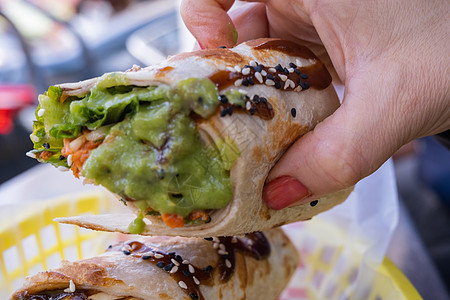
(142, 144)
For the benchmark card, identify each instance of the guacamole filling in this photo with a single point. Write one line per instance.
(142, 144)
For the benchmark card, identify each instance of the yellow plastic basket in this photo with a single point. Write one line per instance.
(32, 242)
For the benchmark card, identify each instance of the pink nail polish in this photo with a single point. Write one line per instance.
(283, 192)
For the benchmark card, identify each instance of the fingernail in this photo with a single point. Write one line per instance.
(201, 45)
(283, 192)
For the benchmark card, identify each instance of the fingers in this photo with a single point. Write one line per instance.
(343, 149)
(209, 22)
(250, 21)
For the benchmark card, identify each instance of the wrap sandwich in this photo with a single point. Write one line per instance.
(187, 144)
(256, 266)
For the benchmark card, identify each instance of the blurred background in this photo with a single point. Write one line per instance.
(46, 42)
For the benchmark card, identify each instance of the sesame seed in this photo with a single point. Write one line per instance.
(298, 63)
(185, 262)
(253, 63)
(283, 77)
(313, 203)
(34, 138)
(30, 154)
(222, 47)
(238, 82)
(304, 85)
(250, 80)
(227, 263)
(248, 105)
(40, 112)
(216, 245)
(292, 65)
(175, 262)
(258, 68)
(298, 89)
(193, 296)
(270, 76)
(178, 258)
(160, 264)
(297, 71)
(245, 71)
(221, 246)
(46, 145)
(157, 255)
(173, 270)
(208, 238)
(279, 68)
(263, 100)
(208, 268)
(285, 70)
(197, 282)
(291, 70)
(186, 273)
(126, 252)
(272, 70)
(191, 269)
(172, 253)
(290, 83)
(146, 257)
(303, 76)
(293, 112)
(237, 68)
(252, 111)
(61, 157)
(259, 77)
(69, 160)
(277, 85)
(270, 82)
(230, 69)
(71, 287)
(263, 73)
(182, 284)
(222, 252)
(168, 267)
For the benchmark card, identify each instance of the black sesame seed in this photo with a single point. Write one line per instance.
(209, 238)
(263, 100)
(146, 257)
(168, 267)
(160, 264)
(304, 85)
(293, 112)
(177, 195)
(256, 99)
(178, 258)
(186, 273)
(172, 253)
(303, 76)
(208, 269)
(110, 246)
(258, 68)
(247, 66)
(46, 145)
(61, 157)
(297, 71)
(313, 203)
(251, 81)
(245, 82)
(286, 70)
(223, 99)
(279, 68)
(277, 85)
(292, 65)
(270, 76)
(223, 47)
(252, 111)
(126, 252)
(224, 256)
(193, 296)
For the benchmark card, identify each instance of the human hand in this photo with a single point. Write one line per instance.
(393, 57)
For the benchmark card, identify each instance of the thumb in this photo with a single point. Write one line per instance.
(344, 148)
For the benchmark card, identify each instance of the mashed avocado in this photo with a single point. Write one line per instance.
(152, 152)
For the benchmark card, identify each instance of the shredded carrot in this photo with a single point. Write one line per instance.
(80, 155)
(199, 214)
(45, 155)
(173, 220)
